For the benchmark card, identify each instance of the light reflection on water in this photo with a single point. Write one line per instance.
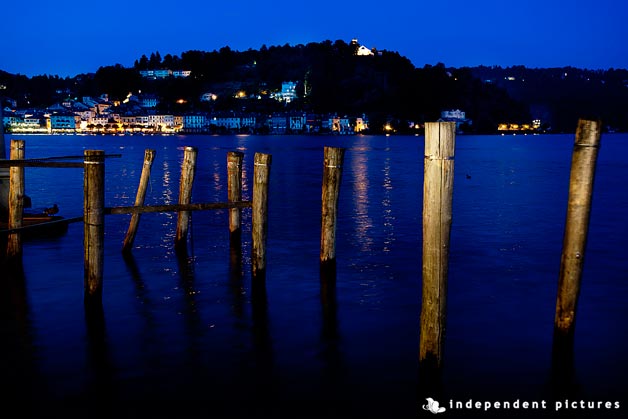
(191, 329)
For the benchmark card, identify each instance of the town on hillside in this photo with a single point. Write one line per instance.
(338, 88)
(137, 114)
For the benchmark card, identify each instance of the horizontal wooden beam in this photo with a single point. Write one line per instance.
(177, 207)
(37, 163)
(47, 162)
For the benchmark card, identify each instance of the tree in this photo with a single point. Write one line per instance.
(155, 60)
(142, 64)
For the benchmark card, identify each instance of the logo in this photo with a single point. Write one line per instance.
(433, 406)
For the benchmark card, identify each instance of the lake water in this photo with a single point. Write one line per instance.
(186, 337)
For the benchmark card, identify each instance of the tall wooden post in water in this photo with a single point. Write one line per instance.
(261, 175)
(437, 216)
(188, 170)
(583, 161)
(94, 223)
(234, 192)
(332, 175)
(149, 157)
(16, 203)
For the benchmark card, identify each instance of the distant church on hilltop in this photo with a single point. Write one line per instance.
(362, 50)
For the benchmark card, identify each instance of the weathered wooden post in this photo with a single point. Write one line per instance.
(188, 169)
(261, 175)
(149, 157)
(437, 216)
(332, 175)
(234, 194)
(16, 203)
(583, 161)
(94, 223)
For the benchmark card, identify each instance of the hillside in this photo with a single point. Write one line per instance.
(331, 77)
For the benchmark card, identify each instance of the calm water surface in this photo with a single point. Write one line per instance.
(188, 337)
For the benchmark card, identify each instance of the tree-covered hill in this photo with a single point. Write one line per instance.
(331, 77)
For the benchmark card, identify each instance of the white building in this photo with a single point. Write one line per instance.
(364, 51)
(288, 92)
(456, 115)
(453, 114)
(156, 74)
(161, 121)
(181, 73)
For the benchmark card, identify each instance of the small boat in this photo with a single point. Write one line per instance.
(39, 226)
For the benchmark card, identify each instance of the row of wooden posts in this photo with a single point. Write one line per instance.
(437, 218)
(94, 210)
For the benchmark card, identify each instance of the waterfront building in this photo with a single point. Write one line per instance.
(98, 119)
(312, 123)
(10, 119)
(161, 122)
(296, 122)
(64, 122)
(226, 120)
(195, 122)
(278, 123)
(361, 124)
(142, 121)
(248, 121)
(338, 125)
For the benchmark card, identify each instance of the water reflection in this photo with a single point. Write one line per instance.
(167, 193)
(140, 288)
(264, 379)
(236, 274)
(361, 186)
(388, 216)
(17, 351)
(330, 336)
(101, 386)
(563, 379)
(187, 274)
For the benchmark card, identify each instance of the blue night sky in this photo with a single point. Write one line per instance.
(68, 37)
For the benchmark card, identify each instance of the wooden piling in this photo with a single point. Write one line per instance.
(583, 162)
(332, 175)
(149, 157)
(94, 224)
(234, 193)
(437, 216)
(261, 175)
(188, 169)
(16, 203)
